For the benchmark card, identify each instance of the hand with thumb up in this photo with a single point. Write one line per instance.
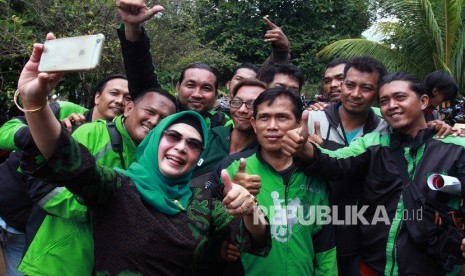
(251, 182)
(237, 200)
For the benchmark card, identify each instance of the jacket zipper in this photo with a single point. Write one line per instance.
(287, 221)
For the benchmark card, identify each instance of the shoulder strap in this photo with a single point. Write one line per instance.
(116, 141)
(396, 150)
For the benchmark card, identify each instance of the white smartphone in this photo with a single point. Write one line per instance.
(78, 53)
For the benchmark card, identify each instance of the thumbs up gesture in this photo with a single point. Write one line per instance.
(276, 36)
(237, 201)
(316, 137)
(295, 139)
(251, 182)
(136, 11)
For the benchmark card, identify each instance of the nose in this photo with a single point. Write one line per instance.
(356, 92)
(119, 100)
(391, 104)
(181, 146)
(243, 108)
(272, 124)
(197, 93)
(335, 83)
(154, 120)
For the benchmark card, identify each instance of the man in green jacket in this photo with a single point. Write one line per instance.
(226, 140)
(66, 218)
(299, 247)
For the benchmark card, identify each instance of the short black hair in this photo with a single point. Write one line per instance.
(200, 65)
(271, 94)
(443, 82)
(336, 62)
(100, 86)
(246, 65)
(366, 65)
(103, 82)
(156, 90)
(247, 82)
(286, 69)
(415, 83)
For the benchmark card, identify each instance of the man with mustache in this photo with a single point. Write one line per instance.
(332, 80)
(286, 193)
(394, 170)
(337, 125)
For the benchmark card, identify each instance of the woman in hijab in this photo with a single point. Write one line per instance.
(147, 219)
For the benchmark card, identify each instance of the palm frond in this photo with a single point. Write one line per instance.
(458, 59)
(348, 48)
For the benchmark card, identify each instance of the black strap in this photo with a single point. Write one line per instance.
(396, 149)
(425, 231)
(116, 141)
(398, 156)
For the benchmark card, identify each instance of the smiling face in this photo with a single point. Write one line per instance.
(241, 116)
(332, 82)
(111, 101)
(272, 122)
(359, 91)
(143, 115)
(402, 108)
(176, 158)
(197, 90)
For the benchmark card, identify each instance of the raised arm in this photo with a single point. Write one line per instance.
(34, 88)
(280, 46)
(135, 45)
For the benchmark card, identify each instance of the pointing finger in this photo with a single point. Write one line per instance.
(270, 24)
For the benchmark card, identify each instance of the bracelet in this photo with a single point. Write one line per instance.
(15, 100)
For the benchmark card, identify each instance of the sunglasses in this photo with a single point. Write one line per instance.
(175, 137)
(236, 103)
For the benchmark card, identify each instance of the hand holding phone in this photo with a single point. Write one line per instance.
(78, 53)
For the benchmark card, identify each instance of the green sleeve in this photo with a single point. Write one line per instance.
(220, 217)
(62, 203)
(8, 131)
(325, 262)
(67, 108)
(92, 136)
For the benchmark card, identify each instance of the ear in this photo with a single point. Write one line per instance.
(424, 100)
(227, 86)
(252, 122)
(177, 87)
(435, 92)
(128, 108)
(97, 97)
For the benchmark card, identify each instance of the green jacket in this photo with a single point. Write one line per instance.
(297, 248)
(64, 239)
(219, 142)
(14, 133)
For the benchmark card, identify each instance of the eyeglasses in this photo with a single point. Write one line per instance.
(236, 103)
(175, 137)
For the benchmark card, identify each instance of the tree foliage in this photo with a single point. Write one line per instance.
(236, 27)
(222, 33)
(423, 36)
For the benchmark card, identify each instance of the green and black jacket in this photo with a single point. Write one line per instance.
(299, 247)
(387, 248)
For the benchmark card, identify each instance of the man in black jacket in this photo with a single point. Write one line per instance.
(387, 244)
